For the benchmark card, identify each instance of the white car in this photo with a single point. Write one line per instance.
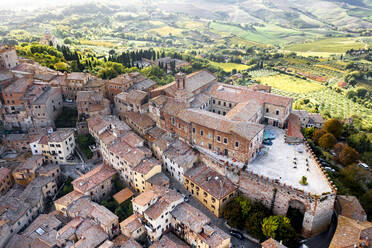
(364, 166)
(68, 100)
(329, 169)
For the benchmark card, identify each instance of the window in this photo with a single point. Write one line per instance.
(224, 104)
(210, 146)
(201, 132)
(193, 130)
(219, 102)
(205, 194)
(267, 110)
(230, 105)
(219, 138)
(210, 135)
(172, 121)
(179, 126)
(277, 112)
(237, 144)
(225, 140)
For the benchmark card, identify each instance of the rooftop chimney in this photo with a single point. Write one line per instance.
(181, 80)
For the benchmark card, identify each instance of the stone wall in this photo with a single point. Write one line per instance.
(277, 196)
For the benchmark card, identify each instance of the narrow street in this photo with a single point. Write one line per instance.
(219, 222)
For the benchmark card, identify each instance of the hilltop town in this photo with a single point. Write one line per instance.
(149, 165)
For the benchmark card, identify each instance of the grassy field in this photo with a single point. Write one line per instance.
(327, 46)
(290, 84)
(98, 43)
(269, 34)
(228, 67)
(166, 31)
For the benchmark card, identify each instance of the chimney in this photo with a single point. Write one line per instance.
(181, 80)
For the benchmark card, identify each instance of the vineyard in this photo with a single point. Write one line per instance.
(327, 101)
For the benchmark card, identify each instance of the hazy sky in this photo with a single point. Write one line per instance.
(32, 4)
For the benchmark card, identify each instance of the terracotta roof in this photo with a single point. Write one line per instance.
(221, 123)
(238, 94)
(131, 243)
(159, 179)
(76, 76)
(351, 208)
(210, 181)
(159, 100)
(162, 204)
(60, 135)
(191, 217)
(88, 96)
(136, 96)
(244, 111)
(132, 155)
(348, 232)
(147, 165)
(169, 240)
(123, 195)
(19, 86)
(132, 223)
(69, 198)
(142, 120)
(93, 178)
(271, 243)
(149, 195)
(86, 208)
(213, 235)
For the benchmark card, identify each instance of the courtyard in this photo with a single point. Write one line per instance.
(288, 164)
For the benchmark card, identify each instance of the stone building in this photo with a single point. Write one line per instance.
(178, 158)
(26, 171)
(91, 103)
(58, 146)
(47, 107)
(191, 225)
(133, 100)
(6, 180)
(97, 183)
(309, 119)
(217, 119)
(144, 171)
(132, 227)
(8, 58)
(213, 190)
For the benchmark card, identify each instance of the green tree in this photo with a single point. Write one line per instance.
(61, 66)
(366, 201)
(348, 155)
(327, 141)
(333, 126)
(303, 180)
(269, 226)
(317, 134)
(309, 132)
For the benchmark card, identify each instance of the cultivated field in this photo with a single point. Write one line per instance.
(328, 45)
(290, 84)
(228, 67)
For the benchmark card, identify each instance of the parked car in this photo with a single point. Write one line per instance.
(236, 234)
(363, 165)
(186, 199)
(325, 164)
(68, 100)
(329, 169)
(267, 142)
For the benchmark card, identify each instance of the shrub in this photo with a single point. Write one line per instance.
(303, 180)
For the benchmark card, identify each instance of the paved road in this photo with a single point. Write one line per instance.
(219, 222)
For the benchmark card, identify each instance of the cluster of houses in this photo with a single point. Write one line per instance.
(147, 136)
